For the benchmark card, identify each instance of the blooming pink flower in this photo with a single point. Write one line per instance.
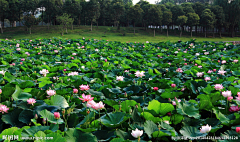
(221, 72)
(238, 93)
(56, 115)
(214, 70)
(174, 103)
(51, 93)
(185, 63)
(21, 63)
(64, 69)
(3, 109)
(155, 88)
(31, 101)
(22, 59)
(195, 64)
(139, 74)
(120, 78)
(105, 60)
(91, 103)
(207, 78)
(98, 106)
(17, 45)
(223, 61)
(169, 63)
(179, 70)
(86, 98)
(235, 61)
(230, 98)
(218, 86)
(200, 74)
(84, 87)
(173, 85)
(75, 91)
(234, 108)
(227, 94)
(209, 71)
(0, 91)
(200, 67)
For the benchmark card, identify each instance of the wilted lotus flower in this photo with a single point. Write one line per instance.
(227, 94)
(235, 61)
(31, 101)
(3, 109)
(2, 72)
(86, 98)
(137, 133)
(44, 72)
(120, 78)
(218, 86)
(56, 115)
(84, 87)
(73, 73)
(51, 93)
(207, 78)
(221, 72)
(98, 106)
(200, 74)
(205, 129)
(234, 108)
(139, 74)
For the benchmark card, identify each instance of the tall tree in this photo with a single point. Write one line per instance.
(177, 10)
(220, 17)
(167, 19)
(3, 9)
(93, 11)
(135, 13)
(182, 20)
(198, 8)
(145, 7)
(193, 19)
(65, 20)
(209, 19)
(117, 9)
(155, 16)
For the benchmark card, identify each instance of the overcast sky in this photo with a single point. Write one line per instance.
(150, 1)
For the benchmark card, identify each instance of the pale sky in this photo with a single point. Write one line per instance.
(150, 1)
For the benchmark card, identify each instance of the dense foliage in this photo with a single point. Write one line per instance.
(214, 17)
(90, 90)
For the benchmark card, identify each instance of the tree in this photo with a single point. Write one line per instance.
(3, 8)
(181, 21)
(29, 20)
(93, 11)
(167, 19)
(65, 20)
(117, 9)
(209, 19)
(155, 16)
(220, 17)
(135, 14)
(145, 7)
(177, 10)
(198, 8)
(12, 12)
(193, 19)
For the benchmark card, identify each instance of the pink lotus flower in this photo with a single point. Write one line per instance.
(98, 106)
(22, 59)
(169, 63)
(3, 109)
(209, 71)
(221, 72)
(195, 64)
(185, 63)
(224, 61)
(13, 64)
(238, 93)
(21, 63)
(75, 91)
(155, 88)
(84, 87)
(86, 98)
(17, 45)
(218, 86)
(120, 78)
(51, 93)
(238, 130)
(200, 74)
(200, 67)
(173, 85)
(64, 69)
(91, 103)
(73, 73)
(0, 91)
(179, 70)
(105, 60)
(139, 74)
(230, 98)
(137, 133)
(207, 78)
(18, 49)
(227, 94)
(235, 61)
(31, 101)
(56, 115)
(214, 70)
(234, 108)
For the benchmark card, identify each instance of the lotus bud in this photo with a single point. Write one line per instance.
(36, 116)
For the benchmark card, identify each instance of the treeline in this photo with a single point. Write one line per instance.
(202, 17)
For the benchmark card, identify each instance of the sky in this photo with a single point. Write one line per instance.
(150, 1)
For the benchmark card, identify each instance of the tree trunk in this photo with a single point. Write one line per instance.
(213, 33)
(167, 30)
(134, 27)
(79, 20)
(72, 26)
(205, 32)
(196, 29)
(48, 22)
(42, 16)
(191, 30)
(232, 31)
(154, 32)
(220, 32)
(91, 25)
(1, 26)
(30, 30)
(97, 24)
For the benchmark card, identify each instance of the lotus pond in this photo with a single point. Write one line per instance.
(87, 90)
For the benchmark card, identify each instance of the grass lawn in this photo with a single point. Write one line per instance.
(112, 34)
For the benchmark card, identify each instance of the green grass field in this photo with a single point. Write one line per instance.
(112, 34)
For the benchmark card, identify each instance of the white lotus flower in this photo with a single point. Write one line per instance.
(140, 74)
(2, 72)
(83, 67)
(205, 129)
(73, 73)
(137, 133)
(44, 72)
(74, 54)
(120, 78)
(227, 94)
(200, 74)
(197, 54)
